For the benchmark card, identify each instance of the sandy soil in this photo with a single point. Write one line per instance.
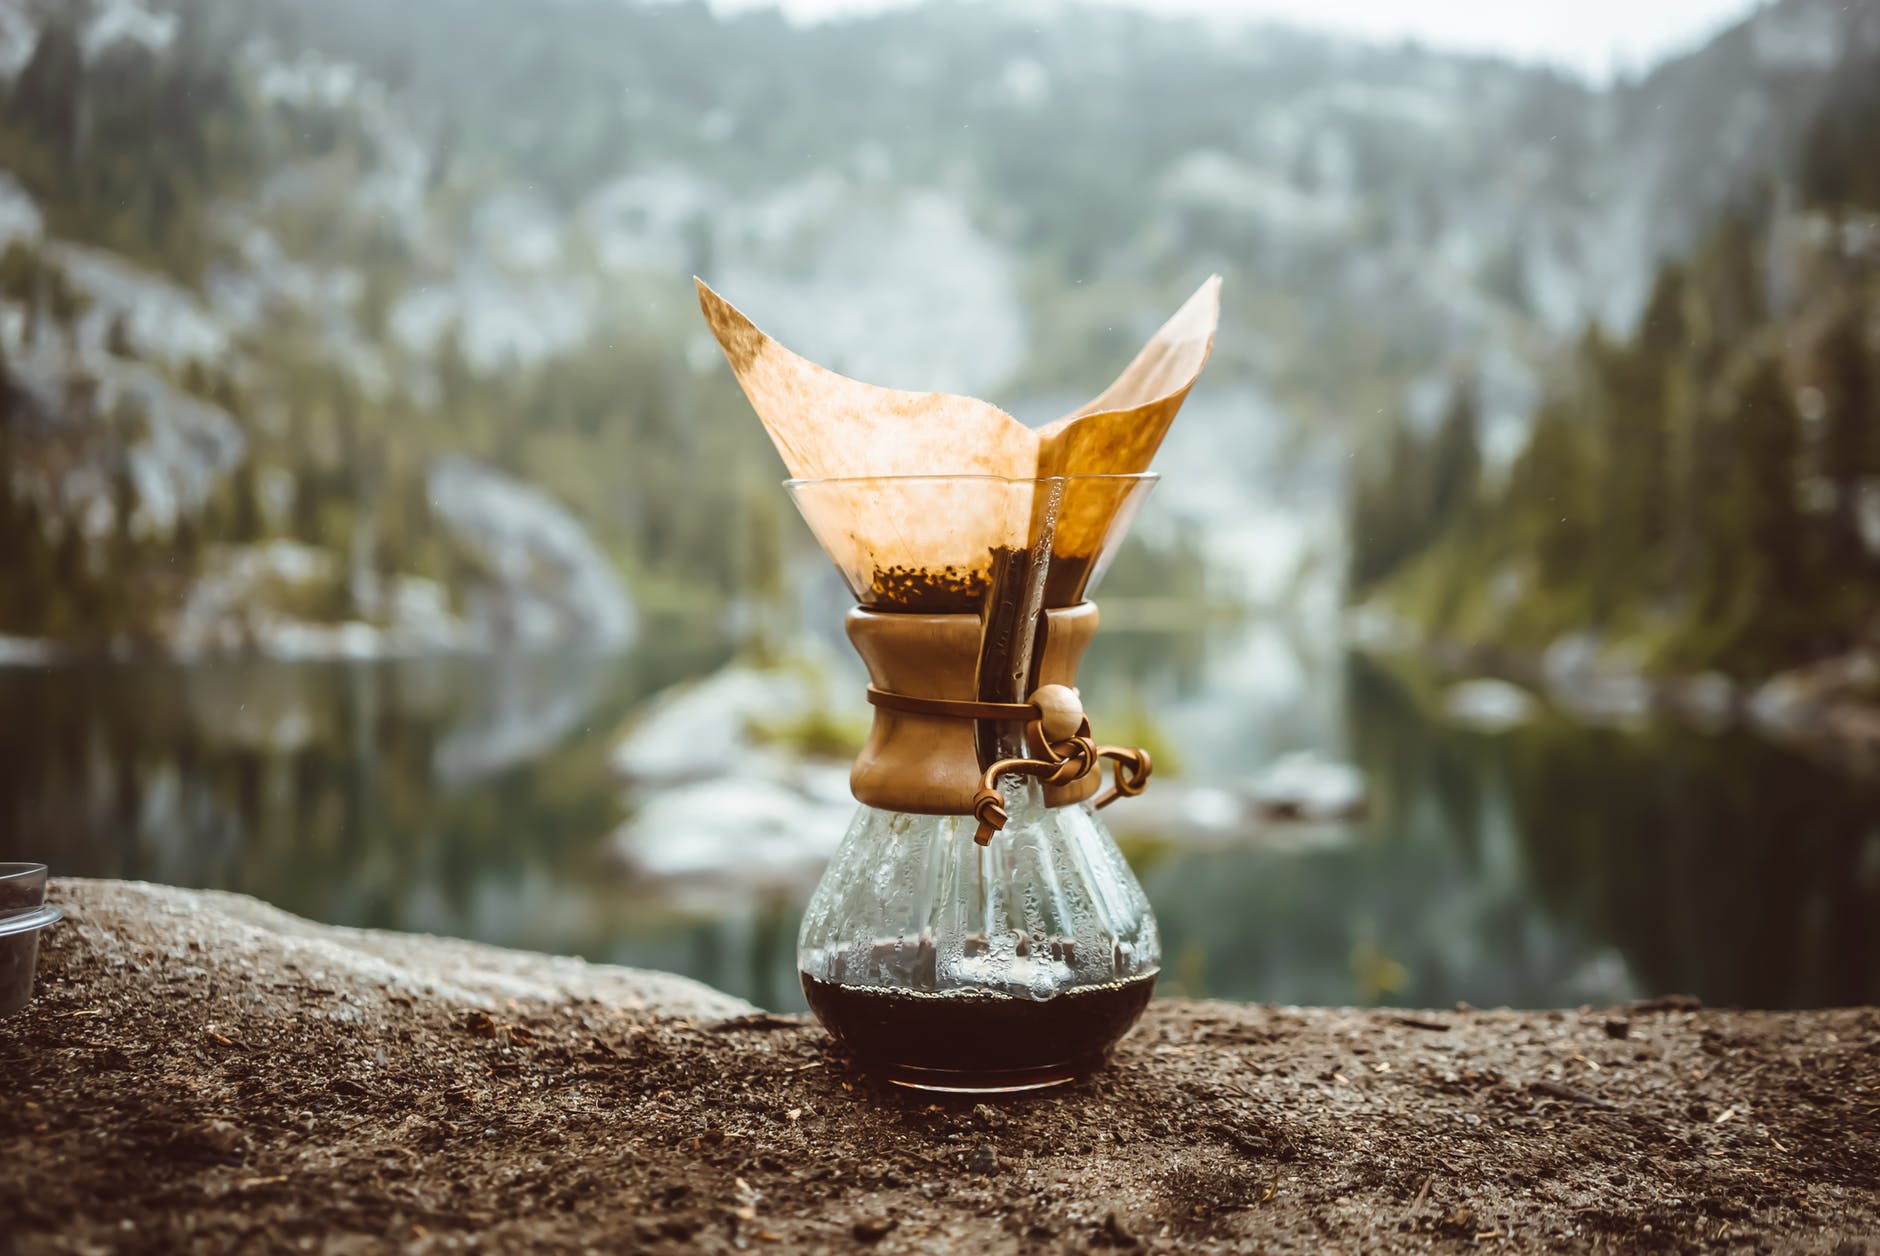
(200, 1072)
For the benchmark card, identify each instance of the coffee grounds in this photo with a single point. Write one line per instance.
(947, 591)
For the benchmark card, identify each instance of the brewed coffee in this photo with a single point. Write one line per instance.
(977, 1039)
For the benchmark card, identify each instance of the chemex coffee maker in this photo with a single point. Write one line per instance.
(977, 930)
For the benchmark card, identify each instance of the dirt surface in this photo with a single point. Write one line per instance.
(199, 1072)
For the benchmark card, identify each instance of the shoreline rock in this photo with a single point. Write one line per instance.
(1829, 710)
(1488, 705)
(1307, 786)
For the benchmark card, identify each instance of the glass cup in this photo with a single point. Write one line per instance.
(23, 913)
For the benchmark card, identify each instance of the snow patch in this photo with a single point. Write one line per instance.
(20, 218)
(550, 583)
(127, 22)
(164, 320)
(1489, 705)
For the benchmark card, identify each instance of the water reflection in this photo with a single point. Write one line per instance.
(1717, 864)
(449, 795)
(1549, 866)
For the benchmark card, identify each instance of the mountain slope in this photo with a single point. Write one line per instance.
(381, 233)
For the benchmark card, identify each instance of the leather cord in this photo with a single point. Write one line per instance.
(952, 707)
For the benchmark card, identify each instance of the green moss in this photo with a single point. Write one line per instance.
(1144, 851)
(817, 732)
(319, 599)
(1134, 725)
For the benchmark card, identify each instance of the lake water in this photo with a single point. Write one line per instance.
(1549, 866)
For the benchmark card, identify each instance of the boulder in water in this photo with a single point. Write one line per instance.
(757, 830)
(1307, 786)
(1488, 705)
(705, 728)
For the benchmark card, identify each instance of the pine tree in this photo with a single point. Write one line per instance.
(1731, 303)
(1628, 384)
(13, 538)
(245, 525)
(456, 380)
(1552, 497)
(305, 519)
(1768, 457)
(118, 338)
(118, 591)
(48, 94)
(1391, 516)
(186, 548)
(1838, 164)
(1850, 444)
(1455, 460)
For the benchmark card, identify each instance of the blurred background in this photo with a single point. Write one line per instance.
(382, 534)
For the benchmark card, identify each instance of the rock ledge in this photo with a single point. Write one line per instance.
(202, 1072)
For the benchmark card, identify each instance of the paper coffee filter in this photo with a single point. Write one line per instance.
(829, 427)
(1120, 431)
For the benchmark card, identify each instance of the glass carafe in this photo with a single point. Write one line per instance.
(977, 929)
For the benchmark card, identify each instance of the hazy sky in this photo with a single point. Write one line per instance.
(1592, 36)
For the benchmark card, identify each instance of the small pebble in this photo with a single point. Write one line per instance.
(1114, 1234)
(873, 1230)
(985, 1159)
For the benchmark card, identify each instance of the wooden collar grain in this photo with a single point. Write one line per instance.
(921, 754)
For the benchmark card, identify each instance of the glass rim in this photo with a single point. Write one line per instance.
(31, 920)
(10, 870)
(1138, 477)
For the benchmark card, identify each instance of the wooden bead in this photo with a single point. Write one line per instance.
(1061, 712)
